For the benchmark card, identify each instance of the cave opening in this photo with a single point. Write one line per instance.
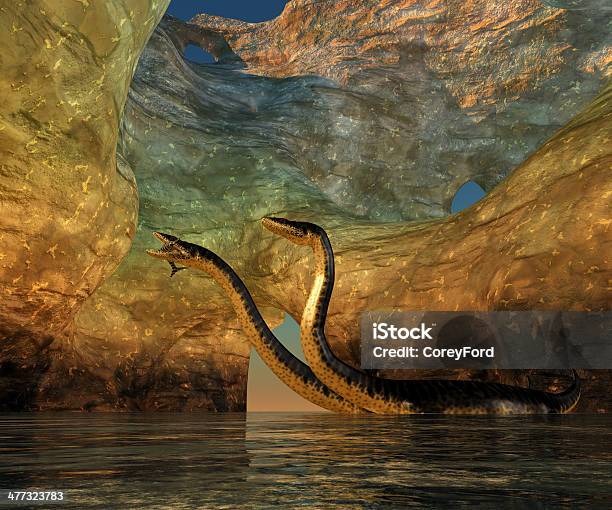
(265, 392)
(194, 53)
(467, 195)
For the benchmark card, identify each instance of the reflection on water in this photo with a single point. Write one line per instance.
(322, 461)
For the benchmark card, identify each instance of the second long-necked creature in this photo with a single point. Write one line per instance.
(362, 391)
(388, 396)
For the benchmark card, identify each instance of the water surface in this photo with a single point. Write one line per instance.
(119, 461)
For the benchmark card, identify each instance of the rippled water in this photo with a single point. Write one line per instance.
(308, 460)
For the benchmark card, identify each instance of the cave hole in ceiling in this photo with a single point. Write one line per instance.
(196, 54)
(468, 194)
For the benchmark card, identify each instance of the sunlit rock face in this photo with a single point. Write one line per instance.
(68, 208)
(68, 204)
(359, 116)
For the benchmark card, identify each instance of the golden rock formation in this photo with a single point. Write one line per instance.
(364, 117)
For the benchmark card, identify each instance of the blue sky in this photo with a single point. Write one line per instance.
(247, 10)
(468, 194)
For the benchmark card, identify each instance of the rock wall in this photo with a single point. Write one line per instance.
(68, 204)
(363, 117)
(440, 92)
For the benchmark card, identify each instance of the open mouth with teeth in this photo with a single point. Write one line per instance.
(169, 251)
